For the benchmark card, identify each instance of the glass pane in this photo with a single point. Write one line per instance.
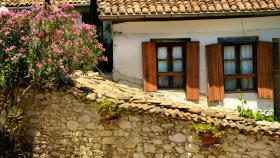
(246, 51)
(163, 81)
(247, 67)
(162, 52)
(229, 67)
(229, 52)
(230, 84)
(162, 66)
(177, 65)
(177, 52)
(177, 81)
(247, 83)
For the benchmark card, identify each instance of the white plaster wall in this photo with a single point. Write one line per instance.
(128, 37)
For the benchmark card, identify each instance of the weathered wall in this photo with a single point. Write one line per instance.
(128, 37)
(59, 125)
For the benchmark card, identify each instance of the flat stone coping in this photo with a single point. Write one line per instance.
(93, 87)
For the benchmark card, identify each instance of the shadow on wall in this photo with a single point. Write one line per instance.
(125, 80)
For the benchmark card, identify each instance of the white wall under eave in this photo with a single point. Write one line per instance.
(128, 37)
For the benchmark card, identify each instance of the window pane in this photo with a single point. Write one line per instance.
(246, 51)
(247, 67)
(162, 66)
(230, 84)
(163, 81)
(177, 65)
(162, 52)
(247, 83)
(229, 67)
(177, 81)
(229, 52)
(177, 52)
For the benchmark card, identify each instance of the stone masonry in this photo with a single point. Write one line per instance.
(62, 123)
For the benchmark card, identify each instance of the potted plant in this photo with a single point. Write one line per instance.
(208, 133)
(107, 109)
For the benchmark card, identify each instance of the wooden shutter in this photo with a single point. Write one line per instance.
(149, 66)
(264, 70)
(192, 71)
(215, 76)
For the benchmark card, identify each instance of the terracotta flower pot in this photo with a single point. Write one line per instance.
(207, 138)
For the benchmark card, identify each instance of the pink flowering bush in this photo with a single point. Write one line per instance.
(41, 47)
(13, 59)
(45, 45)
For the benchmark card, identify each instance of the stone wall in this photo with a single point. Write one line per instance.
(60, 125)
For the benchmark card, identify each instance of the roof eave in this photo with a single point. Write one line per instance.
(188, 15)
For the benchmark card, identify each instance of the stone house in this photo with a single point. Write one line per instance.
(215, 48)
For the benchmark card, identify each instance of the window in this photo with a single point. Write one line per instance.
(170, 65)
(239, 67)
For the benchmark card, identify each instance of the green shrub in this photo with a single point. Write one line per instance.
(108, 109)
(12, 142)
(245, 111)
(207, 128)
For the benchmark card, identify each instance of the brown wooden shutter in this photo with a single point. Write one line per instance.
(215, 76)
(264, 70)
(192, 71)
(149, 66)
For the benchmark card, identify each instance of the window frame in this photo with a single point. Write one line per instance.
(238, 75)
(170, 59)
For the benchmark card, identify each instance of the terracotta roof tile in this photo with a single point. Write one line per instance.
(136, 7)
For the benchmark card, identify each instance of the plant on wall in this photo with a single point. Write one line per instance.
(245, 111)
(108, 109)
(208, 133)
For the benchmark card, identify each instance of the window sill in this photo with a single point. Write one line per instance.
(248, 91)
(171, 89)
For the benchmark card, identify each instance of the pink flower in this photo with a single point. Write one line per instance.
(41, 33)
(104, 58)
(11, 48)
(24, 38)
(39, 65)
(6, 33)
(100, 46)
(50, 60)
(85, 49)
(86, 26)
(19, 55)
(96, 61)
(22, 50)
(14, 58)
(56, 49)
